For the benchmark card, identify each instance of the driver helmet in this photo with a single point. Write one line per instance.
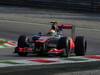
(52, 32)
(54, 22)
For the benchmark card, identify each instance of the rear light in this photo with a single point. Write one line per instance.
(22, 49)
(25, 50)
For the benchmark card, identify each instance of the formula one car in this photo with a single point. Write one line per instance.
(52, 43)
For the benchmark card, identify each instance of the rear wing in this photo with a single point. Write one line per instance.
(67, 26)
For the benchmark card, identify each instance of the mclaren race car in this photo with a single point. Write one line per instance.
(52, 43)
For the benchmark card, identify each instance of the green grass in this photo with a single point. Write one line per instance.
(10, 62)
(2, 42)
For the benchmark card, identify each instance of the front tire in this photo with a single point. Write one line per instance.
(62, 44)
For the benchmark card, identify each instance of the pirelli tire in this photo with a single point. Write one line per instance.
(22, 43)
(80, 46)
(62, 44)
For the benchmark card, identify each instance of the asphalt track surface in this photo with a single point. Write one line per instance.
(15, 21)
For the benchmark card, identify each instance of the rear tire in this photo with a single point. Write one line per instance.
(80, 46)
(62, 44)
(22, 43)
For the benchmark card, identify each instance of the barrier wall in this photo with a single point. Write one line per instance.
(93, 5)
